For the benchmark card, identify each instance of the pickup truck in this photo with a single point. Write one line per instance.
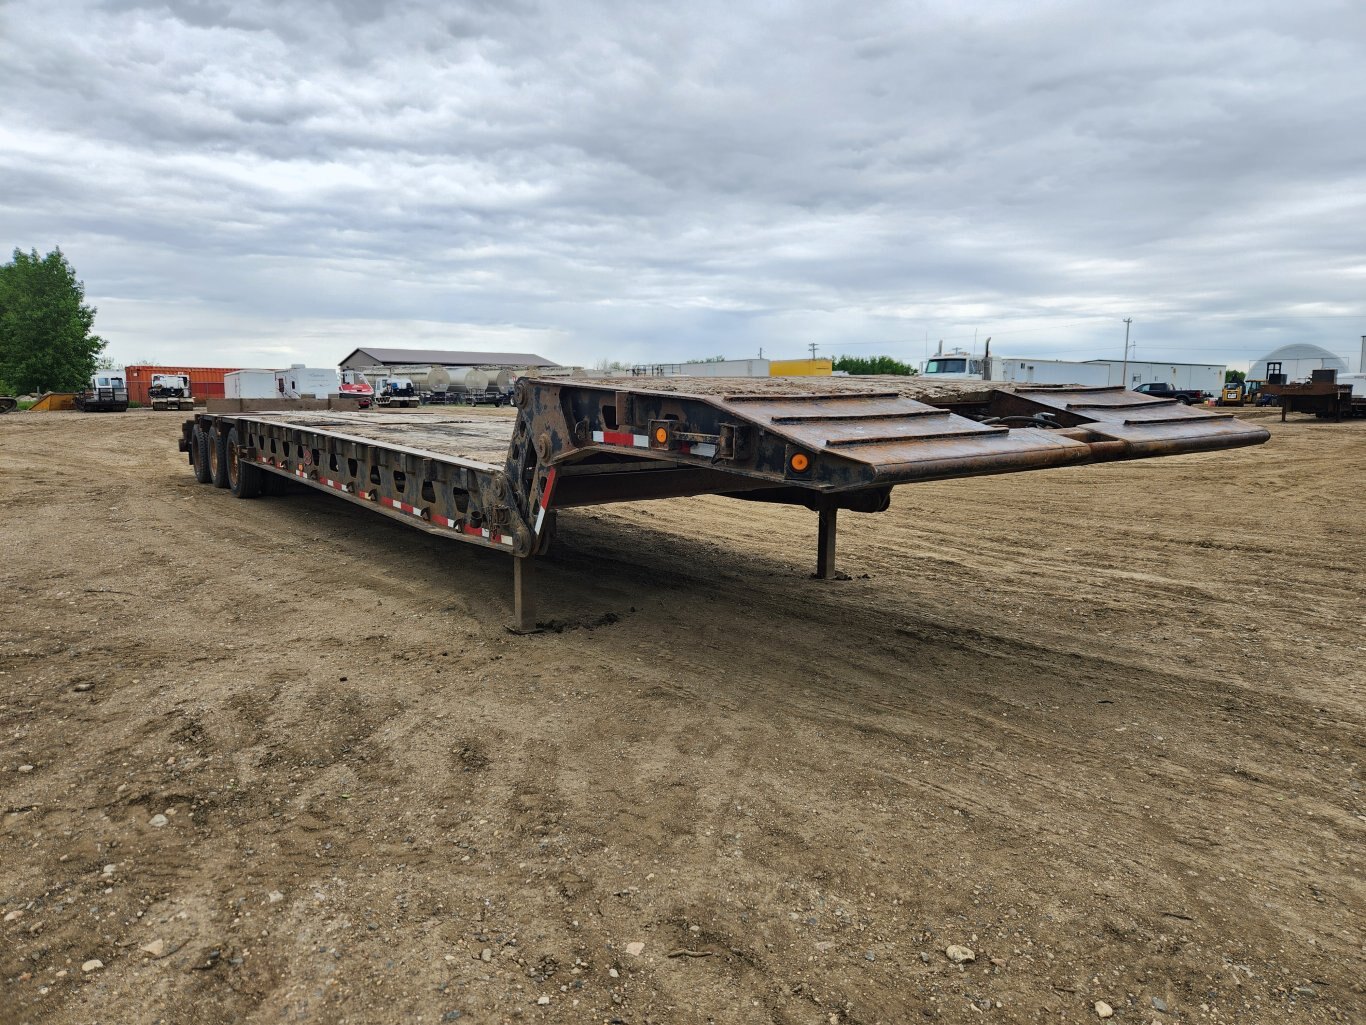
(1161, 389)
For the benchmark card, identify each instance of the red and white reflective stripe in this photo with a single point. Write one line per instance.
(622, 438)
(488, 535)
(494, 536)
(411, 510)
(704, 449)
(545, 498)
(481, 532)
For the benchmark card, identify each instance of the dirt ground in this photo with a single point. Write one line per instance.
(280, 761)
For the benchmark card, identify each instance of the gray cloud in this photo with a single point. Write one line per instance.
(615, 181)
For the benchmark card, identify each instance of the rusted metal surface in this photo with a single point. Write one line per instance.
(849, 441)
(462, 498)
(1147, 426)
(495, 481)
(625, 444)
(1322, 398)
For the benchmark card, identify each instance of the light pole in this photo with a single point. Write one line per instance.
(1127, 322)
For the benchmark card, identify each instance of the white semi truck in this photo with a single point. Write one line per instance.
(1205, 378)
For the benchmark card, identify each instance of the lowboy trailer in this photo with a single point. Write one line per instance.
(827, 445)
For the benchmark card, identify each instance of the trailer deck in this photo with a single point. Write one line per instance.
(828, 445)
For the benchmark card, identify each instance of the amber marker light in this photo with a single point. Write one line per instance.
(800, 463)
(661, 435)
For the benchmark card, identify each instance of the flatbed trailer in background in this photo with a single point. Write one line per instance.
(826, 444)
(1323, 396)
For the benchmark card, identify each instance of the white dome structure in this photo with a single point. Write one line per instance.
(1297, 362)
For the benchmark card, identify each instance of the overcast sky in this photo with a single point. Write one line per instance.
(246, 184)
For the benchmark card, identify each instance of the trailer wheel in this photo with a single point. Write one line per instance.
(272, 484)
(218, 457)
(244, 478)
(199, 449)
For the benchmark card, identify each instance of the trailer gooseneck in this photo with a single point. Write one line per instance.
(828, 446)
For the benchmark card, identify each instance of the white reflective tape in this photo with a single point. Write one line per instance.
(540, 518)
(622, 438)
(704, 450)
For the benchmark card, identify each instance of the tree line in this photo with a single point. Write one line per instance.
(46, 341)
(874, 365)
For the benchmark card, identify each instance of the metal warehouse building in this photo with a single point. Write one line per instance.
(370, 359)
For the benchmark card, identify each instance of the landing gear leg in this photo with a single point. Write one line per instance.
(523, 595)
(825, 546)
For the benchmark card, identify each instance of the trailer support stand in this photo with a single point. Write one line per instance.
(825, 546)
(523, 595)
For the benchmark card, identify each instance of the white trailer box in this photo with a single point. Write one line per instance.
(1046, 371)
(301, 382)
(250, 384)
(725, 368)
(963, 366)
(1207, 378)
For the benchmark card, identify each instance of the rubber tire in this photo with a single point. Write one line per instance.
(218, 458)
(199, 444)
(272, 484)
(1183, 400)
(249, 477)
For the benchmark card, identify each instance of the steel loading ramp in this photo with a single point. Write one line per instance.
(1147, 425)
(838, 442)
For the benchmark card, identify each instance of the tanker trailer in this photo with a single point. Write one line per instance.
(468, 385)
(504, 382)
(432, 382)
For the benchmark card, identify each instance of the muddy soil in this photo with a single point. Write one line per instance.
(279, 760)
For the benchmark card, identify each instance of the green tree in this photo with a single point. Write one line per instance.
(1235, 376)
(874, 365)
(45, 338)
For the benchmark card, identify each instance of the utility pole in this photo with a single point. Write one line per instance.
(1127, 322)
(813, 350)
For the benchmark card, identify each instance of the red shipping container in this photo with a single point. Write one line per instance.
(205, 382)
